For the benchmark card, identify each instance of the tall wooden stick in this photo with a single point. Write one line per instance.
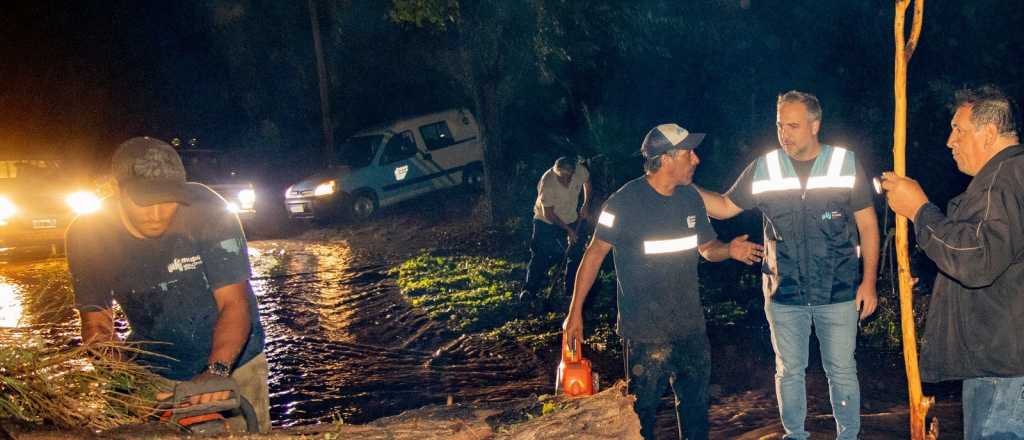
(904, 50)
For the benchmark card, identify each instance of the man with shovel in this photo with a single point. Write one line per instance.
(176, 261)
(556, 224)
(657, 226)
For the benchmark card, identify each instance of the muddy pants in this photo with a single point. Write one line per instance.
(548, 248)
(684, 365)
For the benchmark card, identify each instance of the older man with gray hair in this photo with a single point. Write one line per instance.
(975, 326)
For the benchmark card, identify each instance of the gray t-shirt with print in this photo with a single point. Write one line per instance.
(165, 285)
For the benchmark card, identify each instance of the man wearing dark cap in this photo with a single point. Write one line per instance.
(176, 261)
(819, 224)
(657, 226)
(555, 219)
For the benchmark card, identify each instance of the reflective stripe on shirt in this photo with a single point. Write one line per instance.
(669, 246)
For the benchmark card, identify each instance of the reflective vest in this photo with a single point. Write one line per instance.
(810, 235)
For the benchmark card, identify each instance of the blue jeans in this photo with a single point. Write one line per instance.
(994, 408)
(836, 328)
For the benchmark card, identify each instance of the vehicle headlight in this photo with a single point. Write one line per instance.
(325, 189)
(83, 202)
(247, 198)
(233, 208)
(7, 210)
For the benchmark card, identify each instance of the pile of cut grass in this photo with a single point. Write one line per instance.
(73, 387)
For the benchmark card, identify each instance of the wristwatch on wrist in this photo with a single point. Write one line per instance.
(219, 369)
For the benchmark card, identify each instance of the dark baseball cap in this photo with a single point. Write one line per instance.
(668, 137)
(150, 171)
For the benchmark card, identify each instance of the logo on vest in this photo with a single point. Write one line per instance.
(184, 264)
(691, 221)
(831, 215)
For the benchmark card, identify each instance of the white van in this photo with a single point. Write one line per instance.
(385, 165)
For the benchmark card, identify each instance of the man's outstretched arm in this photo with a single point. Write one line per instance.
(719, 206)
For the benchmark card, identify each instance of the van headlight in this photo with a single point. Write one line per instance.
(7, 210)
(83, 202)
(247, 199)
(325, 189)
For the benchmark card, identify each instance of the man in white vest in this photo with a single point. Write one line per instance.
(820, 230)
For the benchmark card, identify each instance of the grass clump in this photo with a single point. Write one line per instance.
(472, 294)
(477, 295)
(73, 388)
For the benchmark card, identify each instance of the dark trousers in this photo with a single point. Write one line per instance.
(548, 248)
(684, 365)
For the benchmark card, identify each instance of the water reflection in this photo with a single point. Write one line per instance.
(342, 343)
(10, 303)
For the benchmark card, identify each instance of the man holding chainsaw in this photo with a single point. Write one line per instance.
(555, 223)
(176, 261)
(657, 226)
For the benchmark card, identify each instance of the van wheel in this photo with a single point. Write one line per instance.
(473, 177)
(363, 206)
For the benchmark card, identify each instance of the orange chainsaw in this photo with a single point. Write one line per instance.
(575, 376)
(206, 418)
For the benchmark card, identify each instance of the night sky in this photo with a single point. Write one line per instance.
(240, 75)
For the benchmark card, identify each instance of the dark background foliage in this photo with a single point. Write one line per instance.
(546, 77)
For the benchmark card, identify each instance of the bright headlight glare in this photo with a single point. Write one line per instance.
(247, 198)
(7, 209)
(233, 207)
(83, 202)
(325, 189)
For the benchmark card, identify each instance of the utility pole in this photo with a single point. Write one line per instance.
(321, 69)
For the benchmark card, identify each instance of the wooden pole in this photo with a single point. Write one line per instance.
(919, 404)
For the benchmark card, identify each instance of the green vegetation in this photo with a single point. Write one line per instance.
(73, 388)
(472, 294)
(477, 295)
(883, 331)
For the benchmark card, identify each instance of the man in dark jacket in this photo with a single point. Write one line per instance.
(975, 325)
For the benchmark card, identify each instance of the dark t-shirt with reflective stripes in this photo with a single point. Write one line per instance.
(165, 285)
(654, 239)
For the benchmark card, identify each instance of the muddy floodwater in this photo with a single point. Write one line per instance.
(342, 343)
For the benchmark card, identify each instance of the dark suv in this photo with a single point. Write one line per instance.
(211, 168)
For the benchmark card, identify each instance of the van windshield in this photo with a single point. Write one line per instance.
(358, 151)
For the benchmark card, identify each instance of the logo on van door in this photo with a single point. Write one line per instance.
(401, 172)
